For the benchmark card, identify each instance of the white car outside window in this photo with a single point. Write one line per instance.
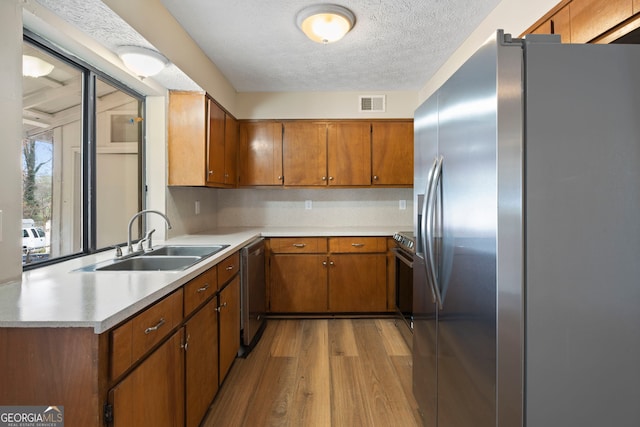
(33, 238)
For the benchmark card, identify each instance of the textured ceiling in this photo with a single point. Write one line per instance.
(103, 25)
(395, 44)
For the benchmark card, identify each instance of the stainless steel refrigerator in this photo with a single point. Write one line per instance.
(527, 224)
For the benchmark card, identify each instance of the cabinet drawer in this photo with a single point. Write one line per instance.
(130, 341)
(200, 289)
(228, 268)
(292, 245)
(357, 244)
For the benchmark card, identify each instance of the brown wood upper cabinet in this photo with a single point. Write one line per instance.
(349, 148)
(260, 157)
(330, 153)
(392, 153)
(231, 136)
(304, 153)
(327, 153)
(589, 21)
(590, 18)
(200, 153)
(559, 23)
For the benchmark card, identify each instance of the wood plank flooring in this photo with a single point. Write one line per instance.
(320, 372)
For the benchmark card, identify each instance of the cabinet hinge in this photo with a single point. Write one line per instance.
(108, 413)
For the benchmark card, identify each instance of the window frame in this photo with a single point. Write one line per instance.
(89, 147)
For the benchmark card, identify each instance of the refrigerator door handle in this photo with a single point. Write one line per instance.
(429, 239)
(423, 227)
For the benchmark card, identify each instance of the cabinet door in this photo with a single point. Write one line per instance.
(215, 153)
(349, 148)
(358, 283)
(231, 134)
(392, 153)
(229, 320)
(187, 134)
(559, 23)
(590, 18)
(298, 283)
(260, 153)
(304, 153)
(153, 393)
(201, 364)
(636, 6)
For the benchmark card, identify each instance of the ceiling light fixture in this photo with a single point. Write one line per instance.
(325, 23)
(142, 61)
(35, 67)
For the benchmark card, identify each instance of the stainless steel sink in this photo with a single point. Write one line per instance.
(186, 250)
(164, 258)
(151, 263)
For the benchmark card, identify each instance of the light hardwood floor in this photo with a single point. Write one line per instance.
(320, 372)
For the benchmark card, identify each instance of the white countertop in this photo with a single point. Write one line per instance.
(57, 296)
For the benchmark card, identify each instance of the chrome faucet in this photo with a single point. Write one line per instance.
(129, 244)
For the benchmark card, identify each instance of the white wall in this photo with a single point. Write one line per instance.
(322, 105)
(10, 139)
(512, 16)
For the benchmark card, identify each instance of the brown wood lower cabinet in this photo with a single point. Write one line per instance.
(161, 367)
(358, 283)
(298, 283)
(201, 364)
(153, 393)
(229, 320)
(334, 275)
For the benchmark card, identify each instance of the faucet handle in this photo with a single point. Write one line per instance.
(147, 237)
(118, 251)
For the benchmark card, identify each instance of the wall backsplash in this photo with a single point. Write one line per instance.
(286, 207)
(334, 207)
(181, 209)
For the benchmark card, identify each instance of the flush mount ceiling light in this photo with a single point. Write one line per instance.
(35, 67)
(325, 23)
(142, 61)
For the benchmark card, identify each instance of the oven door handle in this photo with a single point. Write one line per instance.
(402, 257)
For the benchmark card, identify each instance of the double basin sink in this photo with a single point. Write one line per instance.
(163, 258)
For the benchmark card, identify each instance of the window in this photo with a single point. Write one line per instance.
(81, 157)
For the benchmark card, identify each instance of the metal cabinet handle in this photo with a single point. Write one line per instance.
(299, 245)
(154, 328)
(223, 305)
(331, 263)
(357, 245)
(324, 263)
(229, 268)
(204, 288)
(280, 177)
(330, 178)
(185, 346)
(375, 177)
(210, 172)
(324, 178)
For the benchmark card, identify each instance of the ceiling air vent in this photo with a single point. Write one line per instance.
(372, 103)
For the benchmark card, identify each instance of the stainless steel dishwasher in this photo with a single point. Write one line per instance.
(252, 294)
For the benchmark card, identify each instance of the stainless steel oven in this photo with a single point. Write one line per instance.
(404, 252)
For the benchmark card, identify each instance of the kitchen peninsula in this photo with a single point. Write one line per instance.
(68, 338)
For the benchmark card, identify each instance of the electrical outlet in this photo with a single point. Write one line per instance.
(307, 204)
(402, 205)
(197, 208)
